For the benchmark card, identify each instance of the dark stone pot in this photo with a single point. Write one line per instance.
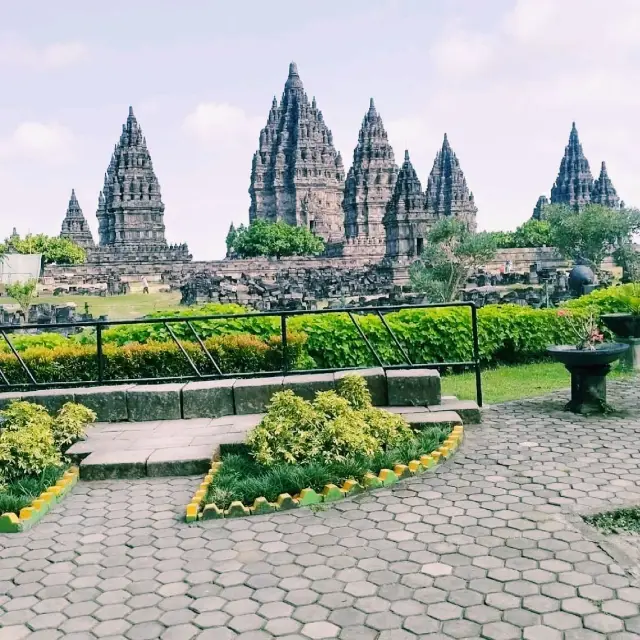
(625, 325)
(589, 369)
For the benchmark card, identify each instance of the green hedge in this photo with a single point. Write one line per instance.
(507, 334)
(239, 353)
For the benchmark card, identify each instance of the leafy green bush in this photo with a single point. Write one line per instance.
(330, 429)
(243, 478)
(32, 441)
(239, 353)
(70, 423)
(622, 299)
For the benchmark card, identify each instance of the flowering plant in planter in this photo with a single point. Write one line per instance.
(585, 330)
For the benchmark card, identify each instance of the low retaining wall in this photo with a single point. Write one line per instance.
(218, 398)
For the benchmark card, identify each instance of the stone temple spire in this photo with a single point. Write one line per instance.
(603, 191)
(370, 181)
(539, 209)
(130, 210)
(75, 226)
(404, 220)
(297, 175)
(447, 193)
(574, 182)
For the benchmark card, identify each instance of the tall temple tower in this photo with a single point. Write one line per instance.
(75, 226)
(130, 209)
(405, 222)
(370, 181)
(447, 193)
(297, 175)
(603, 191)
(574, 182)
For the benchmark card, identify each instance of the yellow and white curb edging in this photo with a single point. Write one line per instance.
(198, 510)
(28, 516)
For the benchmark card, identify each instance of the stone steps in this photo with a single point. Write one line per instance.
(157, 448)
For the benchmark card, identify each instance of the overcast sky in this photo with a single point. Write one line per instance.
(504, 78)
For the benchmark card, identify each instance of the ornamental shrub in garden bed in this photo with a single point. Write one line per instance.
(307, 445)
(32, 445)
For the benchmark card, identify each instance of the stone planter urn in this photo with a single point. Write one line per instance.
(626, 326)
(588, 369)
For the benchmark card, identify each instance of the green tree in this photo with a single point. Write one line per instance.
(53, 248)
(276, 239)
(533, 233)
(23, 293)
(592, 233)
(452, 252)
(232, 235)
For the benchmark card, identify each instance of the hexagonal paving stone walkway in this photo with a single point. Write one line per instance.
(488, 547)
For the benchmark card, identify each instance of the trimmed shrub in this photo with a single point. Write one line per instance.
(330, 429)
(32, 441)
(239, 353)
(622, 299)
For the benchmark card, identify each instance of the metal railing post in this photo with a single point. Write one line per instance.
(99, 353)
(476, 352)
(283, 333)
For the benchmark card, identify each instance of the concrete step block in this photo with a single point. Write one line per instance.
(154, 402)
(51, 399)
(306, 385)
(468, 410)
(208, 398)
(7, 398)
(108, 402)
(180, 461)
(417, 387)
(426, 418)
(253, 395)
(115, 465)
(376, 381)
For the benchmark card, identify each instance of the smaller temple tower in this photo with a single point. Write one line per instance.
(603, 191)
(447, 193)
(75, 226)
(539, 209)
(574, 182)
(405, 220)
(370, 183)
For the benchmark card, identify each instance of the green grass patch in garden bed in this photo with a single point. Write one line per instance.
(21, 493)
(241, 478)
(626, 520)
(502, 384)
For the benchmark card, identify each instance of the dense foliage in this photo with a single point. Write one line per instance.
(507, 334)
(277, 239)
(33, 441)
(451, 253)
(54, 250)
(23, 293)
(533, 233)
(592, 233)
(332, 428)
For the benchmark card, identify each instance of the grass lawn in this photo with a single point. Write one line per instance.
(242, 478)
(124, 307)
(512, 383)
(23, 492)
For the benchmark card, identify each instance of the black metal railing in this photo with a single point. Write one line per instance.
(99, 326)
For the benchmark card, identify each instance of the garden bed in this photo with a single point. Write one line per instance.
(24, 502)
(239, 486)
(624, 520)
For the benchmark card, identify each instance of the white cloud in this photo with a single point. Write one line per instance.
(15, 52)
(50, 143)
(220, 122)
(462, 52)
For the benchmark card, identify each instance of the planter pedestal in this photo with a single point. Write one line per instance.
(588, 369)
(588, 389)
(630, 361)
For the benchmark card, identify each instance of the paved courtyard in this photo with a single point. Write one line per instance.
(489, 546)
